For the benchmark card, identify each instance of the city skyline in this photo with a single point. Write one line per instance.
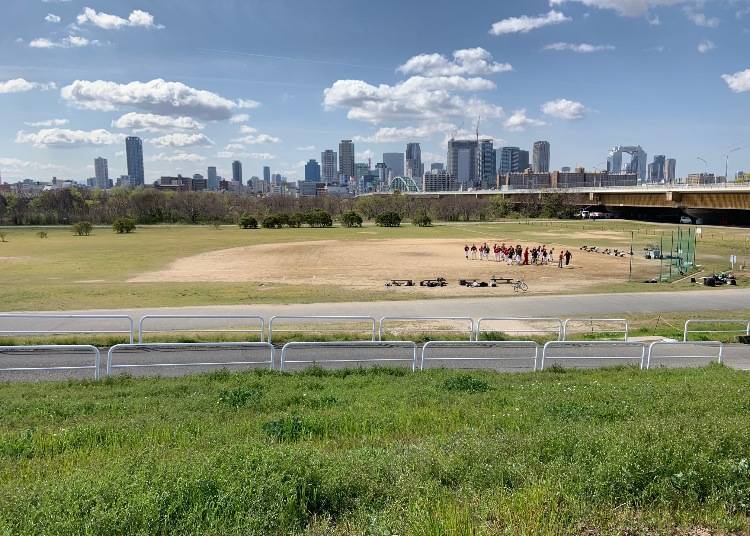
(66, 100)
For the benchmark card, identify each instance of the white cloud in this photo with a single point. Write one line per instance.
(182, 139)
(518, 121)
(51, 17)
(581, 48)
(256, 139)
(48, 123)
(465, 62)
(71, 41)
(525, 23)
(564, 109)
(417, 98)
(239, 118)
(157, 96)
(105, 21)
(244, 154)
(706, 46)
(20, 85)
(364, 156)
(244, 129)
(177, 157)
(138, 122)
(61, 137)
(395, 134)
(16, 165)
(700, 19)
(627, 8)
(738, 82)
(306, 148)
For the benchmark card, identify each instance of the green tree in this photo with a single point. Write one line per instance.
(422, 219)
(124, 225)
(351, 219)
(319, 218)
(248, 222)
(388, 219)
(82, 228)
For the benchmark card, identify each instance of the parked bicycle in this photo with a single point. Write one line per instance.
(520, 286)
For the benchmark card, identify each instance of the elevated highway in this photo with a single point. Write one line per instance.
(719, 203)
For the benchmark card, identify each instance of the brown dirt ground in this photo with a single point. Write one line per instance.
(368, 264)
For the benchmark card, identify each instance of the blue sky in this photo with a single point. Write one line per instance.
(274, 82)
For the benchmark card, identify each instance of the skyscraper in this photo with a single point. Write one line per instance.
(101, 170)
(659, 169)
(671, 170)
(213, 179)
(414, 167)
(512, 160)
(541, 157)
(395, 163)
(134, 154)
(267, 174)
(328, 166)
(237, 171)
(463, 163)
(312, 171)
(346, 158)
(437, 166)
(487, 164)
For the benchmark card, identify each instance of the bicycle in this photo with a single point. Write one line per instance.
(520, 286)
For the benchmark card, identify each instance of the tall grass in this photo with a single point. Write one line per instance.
(379, 451)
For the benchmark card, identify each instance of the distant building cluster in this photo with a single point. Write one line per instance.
(470, 165)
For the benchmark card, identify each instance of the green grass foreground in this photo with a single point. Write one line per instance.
(379, 452)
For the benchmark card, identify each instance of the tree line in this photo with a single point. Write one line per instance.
(150, 206)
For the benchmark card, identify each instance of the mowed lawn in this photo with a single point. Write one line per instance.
(69, 272)
(616, 451)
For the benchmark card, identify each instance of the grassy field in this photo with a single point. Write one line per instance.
(380, 452)
(68, 272)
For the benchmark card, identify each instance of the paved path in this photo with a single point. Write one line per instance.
(587, 305)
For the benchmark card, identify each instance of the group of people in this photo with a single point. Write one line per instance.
(511, 255)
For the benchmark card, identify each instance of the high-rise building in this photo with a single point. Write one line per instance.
(487, 164)
(328, 166)
(237, 171)
(463, 163)
(541, 157)
(395, 164)
(312, 171)
(346, 158)
(213, 179)
(508, 160)
(671, 170)
(523, 160)
(657, 170)
(414, 166)
(361, 169)
(382, 171)
(438, 180)
(267, 174)
(437, 166)
(101, 170)
(134, 154)
(638, 161)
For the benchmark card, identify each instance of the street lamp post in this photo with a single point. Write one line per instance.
(726, 169)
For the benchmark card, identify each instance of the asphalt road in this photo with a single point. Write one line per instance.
(587, 305)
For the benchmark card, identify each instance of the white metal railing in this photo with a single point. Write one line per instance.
(687, 331)
(182, 347)
(718, 355)
(57, 348)
(556, 326)
(531, 347)
(363, 353)
(467, 329)
(590, 350)
(50, 330)
(259, 325)
(619, 322)
(323, 320)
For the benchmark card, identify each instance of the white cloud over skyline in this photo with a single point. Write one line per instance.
(526, 23)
